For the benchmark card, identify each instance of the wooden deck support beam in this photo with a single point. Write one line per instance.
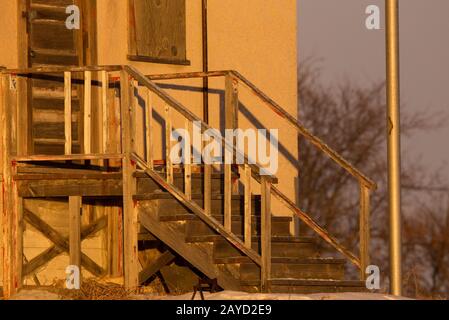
(148, 271)
(231, 113)
(11, 203)
(75, 231)
(68, 112)
(266, 233)
(131, 261)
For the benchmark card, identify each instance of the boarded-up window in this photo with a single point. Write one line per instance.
(158, 31)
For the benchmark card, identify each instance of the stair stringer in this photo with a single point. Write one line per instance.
(198, 254)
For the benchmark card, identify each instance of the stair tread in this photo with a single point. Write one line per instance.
(54, 22)
(55, 52)
(284, 260)
(215, 175)
(47, 7)
(235, 217)
(57, 141)
(168, 196)
(217, 238)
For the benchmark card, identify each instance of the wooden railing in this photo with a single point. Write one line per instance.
(184, 196)
(365, 183)
(130, 79)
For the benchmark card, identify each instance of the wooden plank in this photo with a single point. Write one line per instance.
(231, 102)
(52, 252)
(18, 239)
(227, 197)
(247, 204)
(147, 272)
(231, 112)
(60, 241)
(87, 112)
(129, 188)
(9, 287)
(364, 231)
(158, 29)
(187, 163)
(186, 75)
(149, 128)
(75, 231)
(134, 104)
(70, 187)
(114, 243)
(208, 189)
(168, 132)
(266, 233)
(104, 109)
(68, 112)
(61, 69)
(72, 157)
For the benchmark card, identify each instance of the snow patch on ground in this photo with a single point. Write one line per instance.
(227, 295)
(233, 295)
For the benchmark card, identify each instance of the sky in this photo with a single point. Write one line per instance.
(334, 32)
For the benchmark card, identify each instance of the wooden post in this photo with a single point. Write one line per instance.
(228, 197)
(129, 188)
(266, 232)
(187, 162)
(87, 112)
(231, 112)
(364, 229)
(68, 112)
(11, 203)
(248, 209)
(75, 231)
(133, 114)
(207, 189)
(149, 128)
(105, 111)
(168, 132)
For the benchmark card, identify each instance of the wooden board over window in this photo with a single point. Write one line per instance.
(158, 31)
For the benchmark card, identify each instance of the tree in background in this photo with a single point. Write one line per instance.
(351, 119)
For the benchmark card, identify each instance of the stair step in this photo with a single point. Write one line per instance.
(54, 57)
(53, 130)
(192, 217)
(168, 196)
(305, 286)
(296, 268)
(48, 21)
(280, 226)
(53, 103)
(147, 185)
(217, 238)
(49, 31)
(305, 247)
(49, 11)
(50, 90)
(51, 116)
(165, 204)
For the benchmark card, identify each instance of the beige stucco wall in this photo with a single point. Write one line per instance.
(8, 33)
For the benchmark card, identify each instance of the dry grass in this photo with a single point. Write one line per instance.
(94, 290)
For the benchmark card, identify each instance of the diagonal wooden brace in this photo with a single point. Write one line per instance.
(61, 244)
